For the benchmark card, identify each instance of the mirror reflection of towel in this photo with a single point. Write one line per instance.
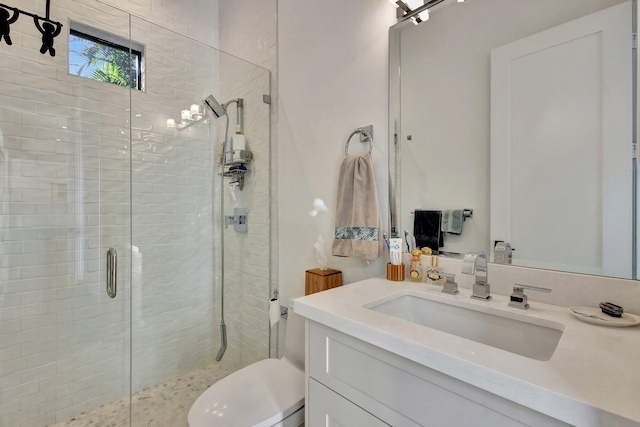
(452, 221)
(358, 222)
(426, 229)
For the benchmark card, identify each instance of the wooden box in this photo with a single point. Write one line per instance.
(317, 280)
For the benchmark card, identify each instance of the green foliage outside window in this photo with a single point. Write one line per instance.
(103, 61)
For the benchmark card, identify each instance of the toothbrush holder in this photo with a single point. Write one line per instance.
(395, 273)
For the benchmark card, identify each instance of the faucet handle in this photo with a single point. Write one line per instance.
(502, 253)
(450, 286)
(519, 299)
(229, 220)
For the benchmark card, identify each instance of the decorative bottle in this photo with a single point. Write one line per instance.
(434, 273)
(415, 266)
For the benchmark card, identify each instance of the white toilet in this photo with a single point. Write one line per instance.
(269, 393)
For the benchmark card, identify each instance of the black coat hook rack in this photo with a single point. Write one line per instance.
(48, 28)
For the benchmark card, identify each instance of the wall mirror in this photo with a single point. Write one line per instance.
(525, 112)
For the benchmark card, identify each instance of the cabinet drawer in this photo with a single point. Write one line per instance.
(404, 393)
(329, 409)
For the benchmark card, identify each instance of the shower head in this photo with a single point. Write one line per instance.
(215, 107)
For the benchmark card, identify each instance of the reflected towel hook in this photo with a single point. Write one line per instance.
(367, 138)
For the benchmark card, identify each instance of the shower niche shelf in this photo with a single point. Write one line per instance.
(237, 169)
(244, 157)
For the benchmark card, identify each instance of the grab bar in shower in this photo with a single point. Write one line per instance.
(112, 272)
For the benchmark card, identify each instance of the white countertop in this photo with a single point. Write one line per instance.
(592, 379)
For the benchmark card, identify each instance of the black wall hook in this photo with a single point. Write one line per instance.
(49, 32)
(6, 19)
(48, 28)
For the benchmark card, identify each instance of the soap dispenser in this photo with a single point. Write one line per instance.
(434, 273)
(415, 266)
(239, 144)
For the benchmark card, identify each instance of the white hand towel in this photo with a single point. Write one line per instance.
(358, 228)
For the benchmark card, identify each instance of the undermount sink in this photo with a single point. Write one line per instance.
(525, 335)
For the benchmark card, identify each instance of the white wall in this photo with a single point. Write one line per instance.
(247, 29)
(332, 65)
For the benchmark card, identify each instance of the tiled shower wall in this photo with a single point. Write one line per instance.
(248, 29)
(173, 206)
(246, 256)
(65, 142)
(197, 19)
(64, 187)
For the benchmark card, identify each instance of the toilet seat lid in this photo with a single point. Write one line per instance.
(259, 395)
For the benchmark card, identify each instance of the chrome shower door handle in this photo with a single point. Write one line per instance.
(112, 273)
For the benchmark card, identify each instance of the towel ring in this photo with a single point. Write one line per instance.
(367, 138)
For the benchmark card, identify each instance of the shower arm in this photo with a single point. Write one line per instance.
(239, 111)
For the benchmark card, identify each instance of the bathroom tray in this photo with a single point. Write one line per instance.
(597, 317)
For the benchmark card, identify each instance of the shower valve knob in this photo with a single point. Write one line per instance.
(238, 219)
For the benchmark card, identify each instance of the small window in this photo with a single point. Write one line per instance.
(98, 55)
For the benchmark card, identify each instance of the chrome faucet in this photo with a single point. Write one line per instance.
(477, 264)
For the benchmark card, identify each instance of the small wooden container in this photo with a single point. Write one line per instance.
(395, 272)
(317, 280)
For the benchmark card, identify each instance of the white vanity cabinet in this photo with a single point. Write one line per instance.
(332, 410)
(362, 362)
(353, 383)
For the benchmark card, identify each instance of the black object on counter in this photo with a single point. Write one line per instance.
(611, 309)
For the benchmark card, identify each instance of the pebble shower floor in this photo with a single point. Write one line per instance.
(162, 405)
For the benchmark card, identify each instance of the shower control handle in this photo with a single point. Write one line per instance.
(112, 272)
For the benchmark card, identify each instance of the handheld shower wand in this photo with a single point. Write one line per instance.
(215, 107)
(219, 110)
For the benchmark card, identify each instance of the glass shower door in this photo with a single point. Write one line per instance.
(64, 194)
(178, 222)
(96, 176)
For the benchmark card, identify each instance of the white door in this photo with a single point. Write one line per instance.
(561, 132)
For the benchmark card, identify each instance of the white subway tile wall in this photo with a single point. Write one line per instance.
(173, 210)
(68, 195)
(248, 29)
(197, 19)
(246, 257)
(64, 189)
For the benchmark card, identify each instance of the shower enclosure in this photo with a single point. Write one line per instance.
(89, 166)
